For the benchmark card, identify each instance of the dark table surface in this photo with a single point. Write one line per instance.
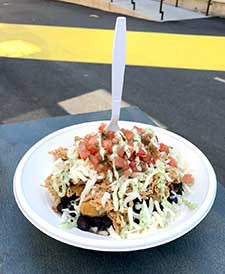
(24, 249)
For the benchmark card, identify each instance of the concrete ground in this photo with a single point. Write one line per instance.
(144, 9)
(149, 9)
(190, 102)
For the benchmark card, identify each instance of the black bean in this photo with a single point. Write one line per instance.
(136, 208)
(137, 221)
(73, 214)
(65, 201)
(137, 205)
(73, 197)
(60, 207)
(107, 222)
(83, 223)
(172, 198)
(177, 188)
(160, 205)
(95, 221)
(180, 189)
(70, 207)
(86, 222)
(102, 223)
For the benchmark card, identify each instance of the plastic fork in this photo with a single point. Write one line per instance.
(118, 69)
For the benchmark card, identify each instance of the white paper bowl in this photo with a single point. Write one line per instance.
(35, 202)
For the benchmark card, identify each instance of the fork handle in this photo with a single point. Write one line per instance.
(118, 66)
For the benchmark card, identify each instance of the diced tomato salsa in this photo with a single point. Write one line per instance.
(89, 148)
(188, 179)
(135, 161)
(172, 162)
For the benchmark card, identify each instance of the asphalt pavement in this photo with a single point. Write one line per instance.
(189, 102)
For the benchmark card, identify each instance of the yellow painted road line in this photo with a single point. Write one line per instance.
(95, 46)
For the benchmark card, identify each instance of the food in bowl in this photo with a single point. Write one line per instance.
(120, 184)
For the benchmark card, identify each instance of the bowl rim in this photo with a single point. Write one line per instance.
(109, 244)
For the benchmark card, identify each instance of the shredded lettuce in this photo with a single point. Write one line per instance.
(130, 216)
(123, 189)
(154, 141)
(138, 163)
(161, 186)
(157, 206)
(60, 182)
(80, 171)
(145, 217)
(69, 221)
(122, 142)
(165, 203)
(159, 220)
(137, 136)
(101, 149)
(109, 176)
(131, 196)
(72, 153)
(68, 224)
(90, 183)
(191, 205)
(148, 180)
(115, 197)
(151, 206)
(105, 198)
(58, 166)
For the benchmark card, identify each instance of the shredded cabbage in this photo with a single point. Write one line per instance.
(60, 182)
(145, 217)
(90, 183)
(58, 166)
(191, 205)
(101, 149)
(68, 224)
(105, 198)
(115, 197)
(109, 176)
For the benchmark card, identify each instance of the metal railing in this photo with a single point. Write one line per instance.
(208, 6)
(161, 9)
(176, 5)
(134, 4)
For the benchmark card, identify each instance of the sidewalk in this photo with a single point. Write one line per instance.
(145, 9)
